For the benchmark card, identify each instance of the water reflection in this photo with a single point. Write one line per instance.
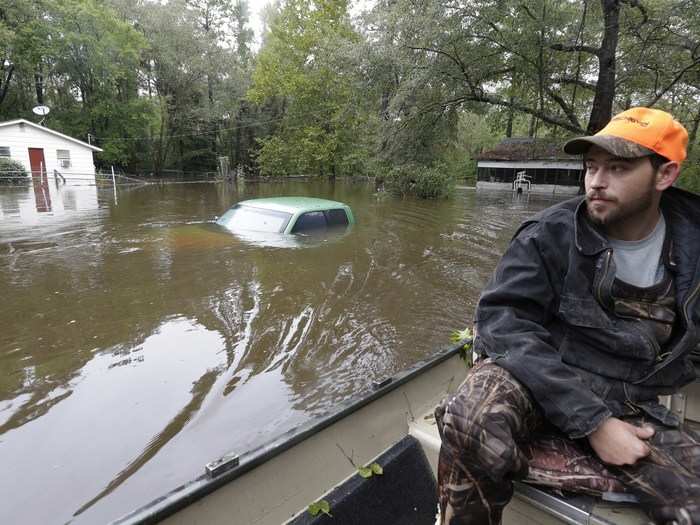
(145, 342)
(42, 197)
(25, 205)
(108, 409)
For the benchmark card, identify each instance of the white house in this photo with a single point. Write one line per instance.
(47, 153)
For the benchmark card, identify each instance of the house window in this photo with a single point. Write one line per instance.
(4, 152)
(63, 158)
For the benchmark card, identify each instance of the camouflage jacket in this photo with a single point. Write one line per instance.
(546, 317)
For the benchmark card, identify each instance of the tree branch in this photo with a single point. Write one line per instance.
(479, 96)
(568, 110)
(446, 55)
(577, 48)
(673, 82)
(574, 81)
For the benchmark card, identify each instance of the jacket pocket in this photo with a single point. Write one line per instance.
(583, 312)
(590, 340)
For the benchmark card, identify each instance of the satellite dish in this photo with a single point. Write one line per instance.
(41, 110)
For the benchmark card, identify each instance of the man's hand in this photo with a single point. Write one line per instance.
(619, 443)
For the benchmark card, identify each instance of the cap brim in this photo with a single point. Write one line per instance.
(619, 147)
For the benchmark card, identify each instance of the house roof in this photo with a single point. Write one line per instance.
(526, 148)
(48, 130)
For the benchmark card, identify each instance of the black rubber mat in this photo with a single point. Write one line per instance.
(405, 494)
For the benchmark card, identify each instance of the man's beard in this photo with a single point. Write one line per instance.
(621, 213)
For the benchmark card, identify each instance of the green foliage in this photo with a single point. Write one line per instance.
(320, 506)
(375, 469)
(465, 350)
(154, 83)
(421, 181)
(529, 67)
(321, 128)
(459, 166)
(690, 176)
(12, 172)
(80, 58)
(177, 83)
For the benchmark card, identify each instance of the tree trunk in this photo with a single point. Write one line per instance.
(601, 112)
(533, 125)
(237, 146)
(39, 86)
(5, 84)
(511, 115)
(541, 66)
(384, 111)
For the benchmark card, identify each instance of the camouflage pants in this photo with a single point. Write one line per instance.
(493, 433)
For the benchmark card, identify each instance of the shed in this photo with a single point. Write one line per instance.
(46, 152)
(543, 163)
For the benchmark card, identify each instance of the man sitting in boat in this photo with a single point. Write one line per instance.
(591, 314)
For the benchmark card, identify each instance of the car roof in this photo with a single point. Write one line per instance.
(292, 204)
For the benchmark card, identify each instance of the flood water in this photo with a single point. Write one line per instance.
(139, 341)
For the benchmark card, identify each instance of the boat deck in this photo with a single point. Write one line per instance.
(394, 426)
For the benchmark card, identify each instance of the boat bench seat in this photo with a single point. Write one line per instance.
(536, 505)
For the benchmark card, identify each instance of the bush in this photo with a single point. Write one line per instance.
(461, 168)
(12, 172)
(422, 181)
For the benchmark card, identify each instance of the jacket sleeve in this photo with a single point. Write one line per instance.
(512, 319)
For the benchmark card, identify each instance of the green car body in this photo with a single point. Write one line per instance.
(287, 215)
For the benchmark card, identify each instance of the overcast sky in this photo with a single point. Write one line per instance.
(255, 7)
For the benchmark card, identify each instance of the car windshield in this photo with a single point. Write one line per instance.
(254, 219)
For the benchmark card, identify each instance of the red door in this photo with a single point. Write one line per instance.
(40, 179)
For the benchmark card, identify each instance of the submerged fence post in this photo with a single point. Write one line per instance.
(114, 185)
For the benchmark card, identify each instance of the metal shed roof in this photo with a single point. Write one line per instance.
(525, 148)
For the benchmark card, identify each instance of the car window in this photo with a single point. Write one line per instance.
(310, 221)
(336, 218)
(254, 219)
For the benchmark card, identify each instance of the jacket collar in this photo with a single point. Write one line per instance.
(682, 212)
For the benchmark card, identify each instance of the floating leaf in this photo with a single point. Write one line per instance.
(315, 508)
(377, 469)
(365, 472)
(320, 506)
(325, 507)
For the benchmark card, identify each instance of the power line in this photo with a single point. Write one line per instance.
(193, 134)
(199, 133)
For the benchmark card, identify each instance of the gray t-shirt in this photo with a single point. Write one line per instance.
(639, 262)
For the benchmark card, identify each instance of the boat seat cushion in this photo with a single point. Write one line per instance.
(406, 493)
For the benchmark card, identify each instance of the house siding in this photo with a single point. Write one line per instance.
(19, 137)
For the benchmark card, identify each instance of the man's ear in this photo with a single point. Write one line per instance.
(667, 174)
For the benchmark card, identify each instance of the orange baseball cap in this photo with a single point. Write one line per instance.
(637, 132)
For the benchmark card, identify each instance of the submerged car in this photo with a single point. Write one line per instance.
(293, 215)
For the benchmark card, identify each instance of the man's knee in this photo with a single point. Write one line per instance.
(479, 424)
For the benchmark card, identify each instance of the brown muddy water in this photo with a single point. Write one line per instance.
(140, 342)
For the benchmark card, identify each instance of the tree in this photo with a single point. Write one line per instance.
(300, 67)
(81, 59)
(557, 62)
